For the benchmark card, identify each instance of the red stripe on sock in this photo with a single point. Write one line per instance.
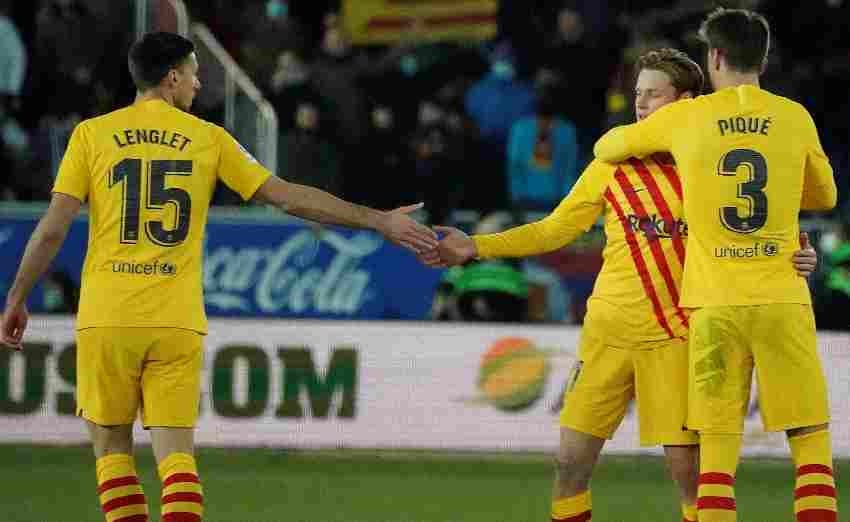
(814, 490)
(716, 503)
(119, 502)
(180, 477)
(817, 515)
(717, 478)
(117, 483)
(133, 518)
(581, 517)
(814, 468)
(181, 516)
(183, 497)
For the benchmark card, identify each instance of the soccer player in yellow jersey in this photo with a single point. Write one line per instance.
(750, 161)
(633, 343)
(148, 172)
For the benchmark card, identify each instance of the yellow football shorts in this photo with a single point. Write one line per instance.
(607, 378)
(123, 370)
(778, 341)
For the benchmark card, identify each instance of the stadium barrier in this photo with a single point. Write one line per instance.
(376, 385)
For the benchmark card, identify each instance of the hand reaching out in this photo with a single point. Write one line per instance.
(401, 229)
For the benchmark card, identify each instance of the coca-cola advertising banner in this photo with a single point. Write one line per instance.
(269, 267)
(388, 385)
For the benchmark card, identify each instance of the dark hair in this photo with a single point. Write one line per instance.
(684, 73)
(742, 36)
(154, 55)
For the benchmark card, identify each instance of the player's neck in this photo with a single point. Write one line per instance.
(735, 79)
(154, 94)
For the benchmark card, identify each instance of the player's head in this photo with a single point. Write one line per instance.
(737, 41)
(166, 62)
(664, 76)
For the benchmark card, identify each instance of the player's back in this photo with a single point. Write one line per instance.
(744, 157)
(148, 172)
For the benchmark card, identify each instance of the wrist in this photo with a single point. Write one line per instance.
(378, 221)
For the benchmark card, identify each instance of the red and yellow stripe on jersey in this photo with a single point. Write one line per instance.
(636, 295)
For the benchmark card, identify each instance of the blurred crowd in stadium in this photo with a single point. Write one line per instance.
(501, 125)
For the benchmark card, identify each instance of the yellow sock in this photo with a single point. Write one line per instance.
(121, 495)
(814, 492)
(717, 464)
(572, 509)
(182, 495)
(689, 513)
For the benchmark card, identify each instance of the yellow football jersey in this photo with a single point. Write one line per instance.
(635, 297)
(749, 160)
(148, 172)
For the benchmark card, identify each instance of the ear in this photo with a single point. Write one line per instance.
(714, 58)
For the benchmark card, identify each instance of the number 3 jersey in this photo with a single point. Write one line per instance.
(749, 161)
(148, 172)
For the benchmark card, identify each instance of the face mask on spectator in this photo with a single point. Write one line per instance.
(504, 70)
(276, 9)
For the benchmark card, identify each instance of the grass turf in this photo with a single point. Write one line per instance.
(56, 484)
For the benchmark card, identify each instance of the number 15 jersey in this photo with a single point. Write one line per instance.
(148, 172)
(749, 161)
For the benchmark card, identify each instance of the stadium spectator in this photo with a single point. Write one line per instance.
(499, 99)
(442, 152)
(495, 103)
(542, 157)
(386, 178)
(305, 154)
(13, 66)
(69, 45)
(290, 84)
(582, 96)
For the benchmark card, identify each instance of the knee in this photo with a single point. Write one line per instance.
(573, 471)
(683, 466)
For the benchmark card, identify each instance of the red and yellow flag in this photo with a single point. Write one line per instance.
(387, 21)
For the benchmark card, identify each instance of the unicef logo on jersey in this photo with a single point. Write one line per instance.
(145, 269)
(771, 248)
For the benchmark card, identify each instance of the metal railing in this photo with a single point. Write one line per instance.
(161, 15)
(247, 114)
(228, 96)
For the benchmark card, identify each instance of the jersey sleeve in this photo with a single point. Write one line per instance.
(819, 190)
(653, 134)
(574, 215)
(73, 177)
(237, 167)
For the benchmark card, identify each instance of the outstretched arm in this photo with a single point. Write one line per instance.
(574, 216)
(317, 205)
(42, 247)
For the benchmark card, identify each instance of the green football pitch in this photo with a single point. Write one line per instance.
(56, 484)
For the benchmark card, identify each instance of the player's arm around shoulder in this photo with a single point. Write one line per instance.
(653, 134)
(42, 247)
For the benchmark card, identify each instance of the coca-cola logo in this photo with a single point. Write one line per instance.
(286, 277)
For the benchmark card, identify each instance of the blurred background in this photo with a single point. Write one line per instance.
(486, 110)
